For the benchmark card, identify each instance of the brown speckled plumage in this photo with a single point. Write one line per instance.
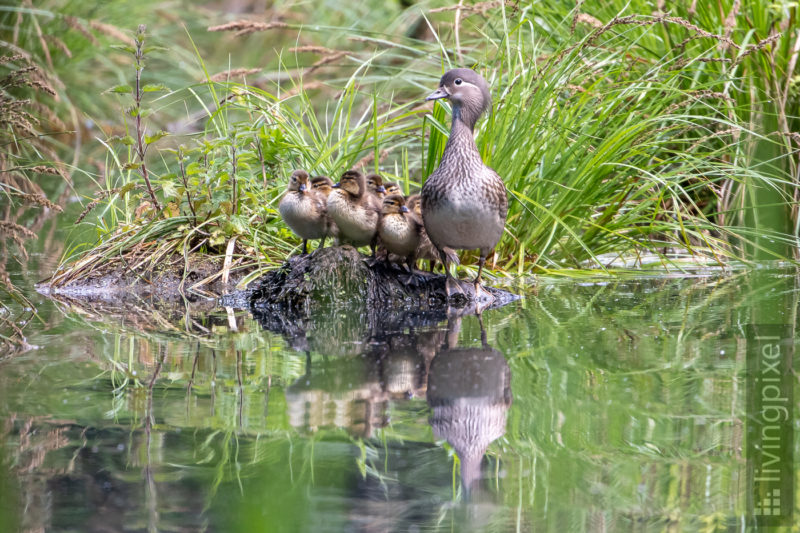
(355, 210)
(304, 210)
(464, 202)
(399, 230)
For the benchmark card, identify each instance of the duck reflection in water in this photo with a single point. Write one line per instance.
(467, 388)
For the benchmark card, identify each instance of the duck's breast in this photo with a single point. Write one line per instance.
(303, 215)
(398, 235)
(356, 224)
(465, 213)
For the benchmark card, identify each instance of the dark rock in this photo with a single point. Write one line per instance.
(338, 288)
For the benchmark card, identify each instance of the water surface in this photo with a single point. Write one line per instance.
(589, 405)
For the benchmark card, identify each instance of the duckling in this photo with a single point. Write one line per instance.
(399, 229)
(392, 188)
(375, 185)
(355, 210)
(414, 203)
(305, 211)
(322, 184)
(464, 202)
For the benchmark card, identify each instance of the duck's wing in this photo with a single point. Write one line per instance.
(497, 193)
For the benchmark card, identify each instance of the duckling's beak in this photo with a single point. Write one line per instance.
(381, 188)
(437, 94)
(336, 185)
(403, 209)
(302, 187)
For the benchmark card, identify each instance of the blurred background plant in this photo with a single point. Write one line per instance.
(627, 133)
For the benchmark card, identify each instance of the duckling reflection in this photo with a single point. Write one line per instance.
(469, 390)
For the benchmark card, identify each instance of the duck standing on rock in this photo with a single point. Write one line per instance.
(304, 210)
(464, 202)
(400, 230)
(355, 210)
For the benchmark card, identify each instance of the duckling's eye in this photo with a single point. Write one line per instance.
(458, 81)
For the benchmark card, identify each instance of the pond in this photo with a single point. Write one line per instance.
(588, 405)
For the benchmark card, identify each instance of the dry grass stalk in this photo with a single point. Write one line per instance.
(759, 45)
(101, 195)
(325, 61)
(480, 7)
(41, 200)
(297, 89)
(244, 27)
(234, 73)
(61, 45)
(585, 18)
(18, 234)
(313, 49)
(12, 228)
(699, 95)
(111, 31)
(78, 26)
(370, 157)
(575, 17)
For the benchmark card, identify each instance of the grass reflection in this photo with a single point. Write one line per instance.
(627, 411)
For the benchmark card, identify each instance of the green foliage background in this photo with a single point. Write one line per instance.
(627, 133)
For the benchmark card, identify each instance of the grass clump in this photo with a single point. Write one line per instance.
(622, 137)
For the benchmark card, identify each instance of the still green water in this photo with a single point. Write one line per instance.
(589, 405)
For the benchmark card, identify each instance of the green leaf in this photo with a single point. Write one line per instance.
(121, 89)
(124, 48)
(193, 168)
(150, 139)
(155, 87)
(128, 187)
(169, 189)
(126, 140)
(217, 238)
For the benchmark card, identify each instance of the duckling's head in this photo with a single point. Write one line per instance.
(298, 181)
(353, 182)
(375, 184)
(414, 203)
(467, 91)
(392, 188)
(322, 184)
(394, 204)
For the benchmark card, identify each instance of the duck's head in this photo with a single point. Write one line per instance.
(298, 181)
(375, 184)
(353, 182)
(322, 184)
(394, 204)
(414, 203)
(467, 91)
(392, 188)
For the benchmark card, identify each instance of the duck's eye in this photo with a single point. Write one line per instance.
(458, 81)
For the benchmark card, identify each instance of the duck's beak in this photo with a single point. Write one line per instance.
(336, 185)
(437, 94)
(380, 188)
(302, 187)
(403, 209)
